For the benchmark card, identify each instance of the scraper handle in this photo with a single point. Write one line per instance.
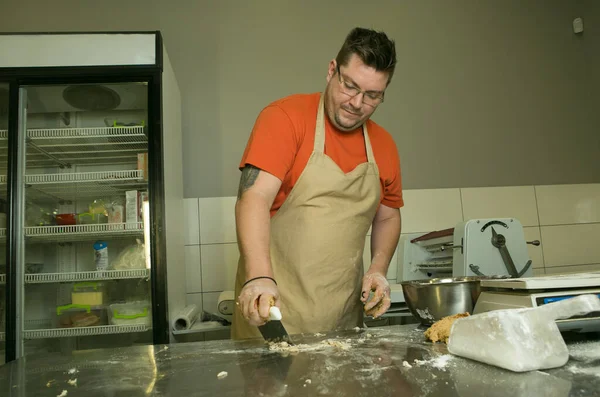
(577, 306)
(274, 313)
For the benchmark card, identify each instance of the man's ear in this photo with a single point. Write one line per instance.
(331, 70)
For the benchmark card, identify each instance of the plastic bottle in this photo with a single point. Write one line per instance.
(101, 255)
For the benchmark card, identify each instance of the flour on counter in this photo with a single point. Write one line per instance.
(438, 362)
(584, 351)
(286, 347)
(442, 361)
(574, 369)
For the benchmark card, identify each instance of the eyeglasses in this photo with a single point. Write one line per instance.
(369, 98)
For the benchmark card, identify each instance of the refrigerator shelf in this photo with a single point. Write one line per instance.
(42, 278)
(107, 177)
(77, 185)
(84, 331)
(89, 135)
(83, 232)
(73, 186)
(67, 146)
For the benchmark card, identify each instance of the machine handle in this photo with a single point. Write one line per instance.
(499, 241)
(475, 269)
(534, 242)
(527, 266)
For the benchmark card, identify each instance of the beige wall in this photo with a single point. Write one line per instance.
(487, 93)
(592, 54)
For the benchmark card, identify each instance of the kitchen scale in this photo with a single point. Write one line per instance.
(527, 292)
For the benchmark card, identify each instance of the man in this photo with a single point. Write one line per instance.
(316, 174)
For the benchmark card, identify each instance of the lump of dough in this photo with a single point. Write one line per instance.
(440, 330)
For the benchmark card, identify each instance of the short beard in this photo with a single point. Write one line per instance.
(340, 126)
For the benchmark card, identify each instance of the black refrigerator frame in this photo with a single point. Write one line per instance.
(152, 74)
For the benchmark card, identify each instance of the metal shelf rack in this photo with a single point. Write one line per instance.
(64, 148)
(46, 278)
(73, 186)
(83, 232)
(77, 185)
(84, 331)
(67, 146)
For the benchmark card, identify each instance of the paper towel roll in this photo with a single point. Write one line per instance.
(226, 302)
(186, 318)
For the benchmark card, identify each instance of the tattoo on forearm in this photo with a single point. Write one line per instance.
(249, 175)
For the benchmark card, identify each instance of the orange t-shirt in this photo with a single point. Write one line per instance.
(283, 138)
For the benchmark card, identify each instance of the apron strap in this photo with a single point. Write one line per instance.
(320, 133)
(370, 155)
(320, 128)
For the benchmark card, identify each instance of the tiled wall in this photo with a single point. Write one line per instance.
(565, 218)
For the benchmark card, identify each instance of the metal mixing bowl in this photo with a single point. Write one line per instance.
(431, 299)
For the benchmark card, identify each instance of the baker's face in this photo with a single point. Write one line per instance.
(353, 93)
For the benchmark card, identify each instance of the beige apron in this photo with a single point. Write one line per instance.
(317, 242)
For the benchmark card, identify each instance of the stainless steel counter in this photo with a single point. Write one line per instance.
(380, 362)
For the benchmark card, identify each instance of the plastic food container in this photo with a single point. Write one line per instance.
(72, 316)
(88, 293)
(66, 219)
(129, 313)
(87, 218)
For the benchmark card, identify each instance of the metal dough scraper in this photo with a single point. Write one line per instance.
(273, 330)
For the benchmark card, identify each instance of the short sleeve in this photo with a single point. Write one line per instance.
(392, 192)
(273, 143)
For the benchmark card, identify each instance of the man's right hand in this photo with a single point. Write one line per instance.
(256, 298)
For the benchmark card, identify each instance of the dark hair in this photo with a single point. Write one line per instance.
(374, 48)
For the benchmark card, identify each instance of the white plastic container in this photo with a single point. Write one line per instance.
(130, 313)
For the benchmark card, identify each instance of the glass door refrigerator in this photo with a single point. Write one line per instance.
(3, 165)
(83, 187)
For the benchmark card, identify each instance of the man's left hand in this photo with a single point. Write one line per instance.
(380, 301)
